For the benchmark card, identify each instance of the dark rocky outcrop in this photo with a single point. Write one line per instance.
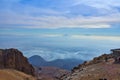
(14, 59)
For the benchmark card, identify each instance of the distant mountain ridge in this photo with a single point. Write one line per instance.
(37, 60)
(60, 63)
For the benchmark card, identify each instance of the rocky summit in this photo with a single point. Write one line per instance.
(104, 67)
(14, 59)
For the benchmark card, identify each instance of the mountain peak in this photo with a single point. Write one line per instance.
(37, 57)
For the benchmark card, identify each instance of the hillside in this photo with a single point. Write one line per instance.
(50, 73)
(11, 74)
(105, 67)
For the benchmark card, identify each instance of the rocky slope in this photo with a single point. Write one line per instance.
(14, 59)
(50, 73)
(105, 67)
(10, 74)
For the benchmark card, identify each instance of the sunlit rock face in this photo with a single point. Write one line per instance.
(14, 59)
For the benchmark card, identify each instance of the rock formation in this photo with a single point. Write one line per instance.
(14, 59)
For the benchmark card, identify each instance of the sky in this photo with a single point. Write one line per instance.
(61, 28)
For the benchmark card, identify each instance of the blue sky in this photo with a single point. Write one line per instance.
(57, 17)
(60, 24)
(59, 14)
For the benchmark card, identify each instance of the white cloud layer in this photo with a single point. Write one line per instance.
(60, 21)
(50, 55)
(97, 37)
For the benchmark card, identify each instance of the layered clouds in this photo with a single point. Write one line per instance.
(60, 46)
(87, 27)
(52, 54)
(59, 14)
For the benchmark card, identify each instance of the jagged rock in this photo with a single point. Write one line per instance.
(114, 57)
(104, 67)
(116, 54)
(14, 59)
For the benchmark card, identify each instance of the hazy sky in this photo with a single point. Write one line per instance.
(59, 23)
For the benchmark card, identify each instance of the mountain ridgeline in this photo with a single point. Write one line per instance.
(67, 64)
(104, 67)
(14, 66)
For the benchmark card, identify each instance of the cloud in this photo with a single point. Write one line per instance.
(52, 54)
(28, 15)
(103, 7)
(97, 37)
(98, 3)
(59, 21)
(50, 35)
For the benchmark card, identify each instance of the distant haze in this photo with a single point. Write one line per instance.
(62, 45)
